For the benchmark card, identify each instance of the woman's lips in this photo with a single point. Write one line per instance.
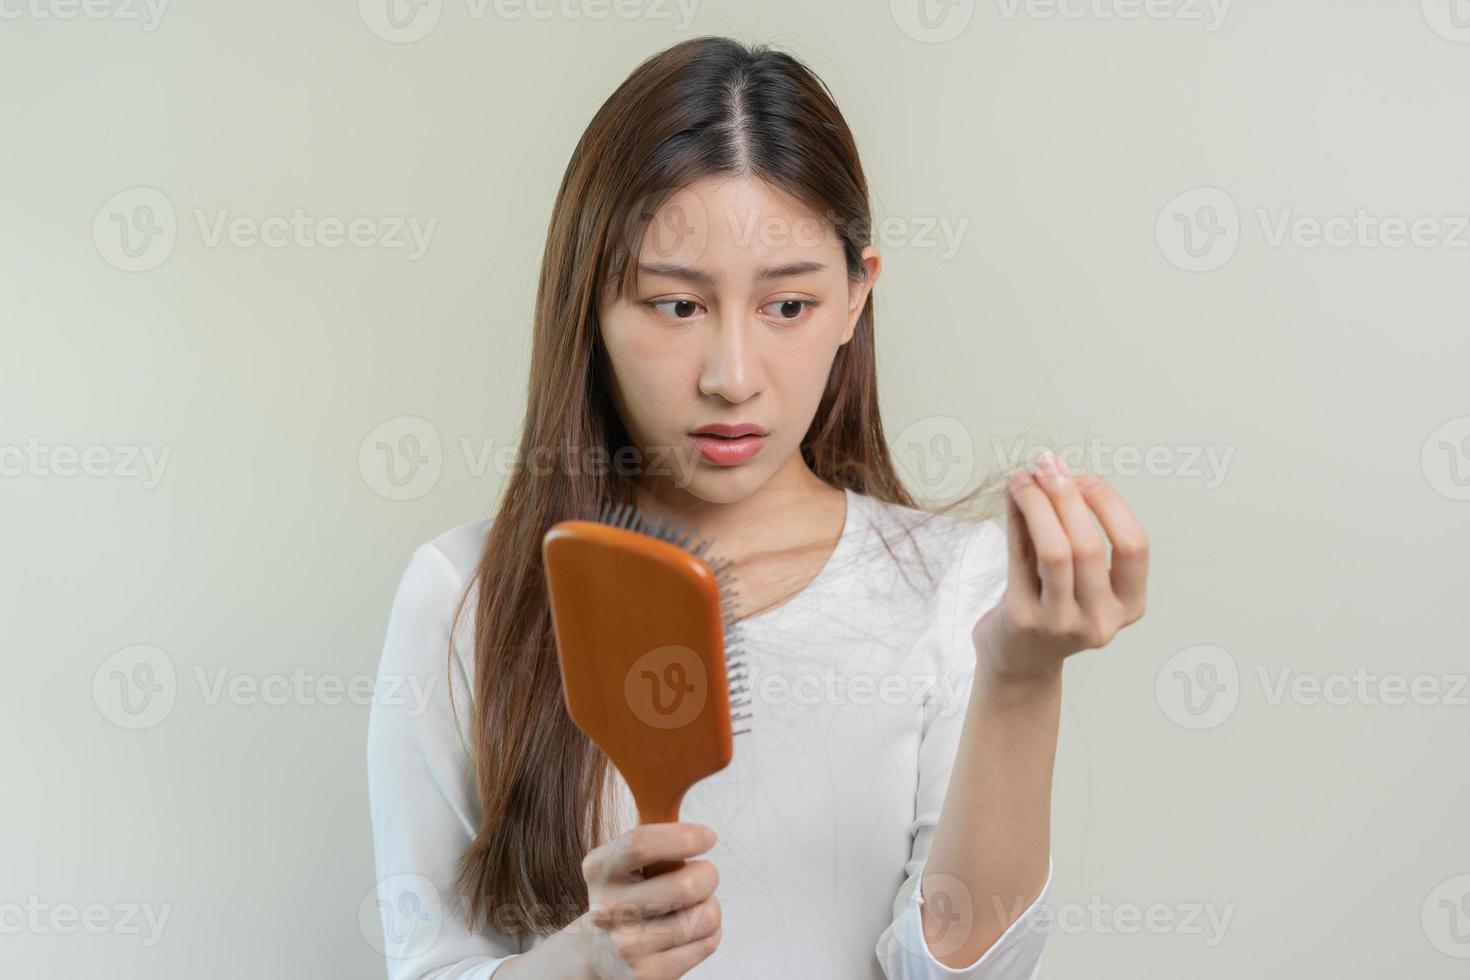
(728, 452)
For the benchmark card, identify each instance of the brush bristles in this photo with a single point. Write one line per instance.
(630, 518)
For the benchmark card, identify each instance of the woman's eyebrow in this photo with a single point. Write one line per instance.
(690, 274)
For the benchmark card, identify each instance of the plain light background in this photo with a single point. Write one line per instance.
(1265, 777)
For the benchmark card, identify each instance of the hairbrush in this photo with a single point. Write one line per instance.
(649, 650)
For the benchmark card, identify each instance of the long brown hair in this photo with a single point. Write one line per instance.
(708, 106)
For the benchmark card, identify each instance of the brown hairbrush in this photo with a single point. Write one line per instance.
(649, 652)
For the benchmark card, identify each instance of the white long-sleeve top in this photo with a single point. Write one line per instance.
(860, 685)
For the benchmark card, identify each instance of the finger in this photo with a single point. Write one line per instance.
(1130, 543)
(1094, 591)
(680, 889)
(1022, 576)
(680, 960)
(674, 929)
(1049, 541)
(653, 842)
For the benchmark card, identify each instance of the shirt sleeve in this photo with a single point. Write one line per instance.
(903, 952)
(421, 788)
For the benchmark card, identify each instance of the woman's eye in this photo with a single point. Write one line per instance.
(682, 309)
(790, 309)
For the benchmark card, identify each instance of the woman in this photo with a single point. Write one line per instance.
(704, 348)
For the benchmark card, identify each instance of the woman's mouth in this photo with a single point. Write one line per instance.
(726, 450)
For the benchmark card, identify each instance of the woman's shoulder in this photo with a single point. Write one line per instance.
(438, 573)
(461, 546)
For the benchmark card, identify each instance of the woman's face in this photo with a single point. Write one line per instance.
(742, 301)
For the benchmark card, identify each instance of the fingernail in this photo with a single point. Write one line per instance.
(1020, 477)
(709, 837)
(1088, 480)
(1046, 464)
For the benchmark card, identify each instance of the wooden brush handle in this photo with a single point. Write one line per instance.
(663, 811)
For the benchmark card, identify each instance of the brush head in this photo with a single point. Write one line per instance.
(649, 653)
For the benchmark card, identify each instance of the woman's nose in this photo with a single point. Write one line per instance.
(732, 361)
